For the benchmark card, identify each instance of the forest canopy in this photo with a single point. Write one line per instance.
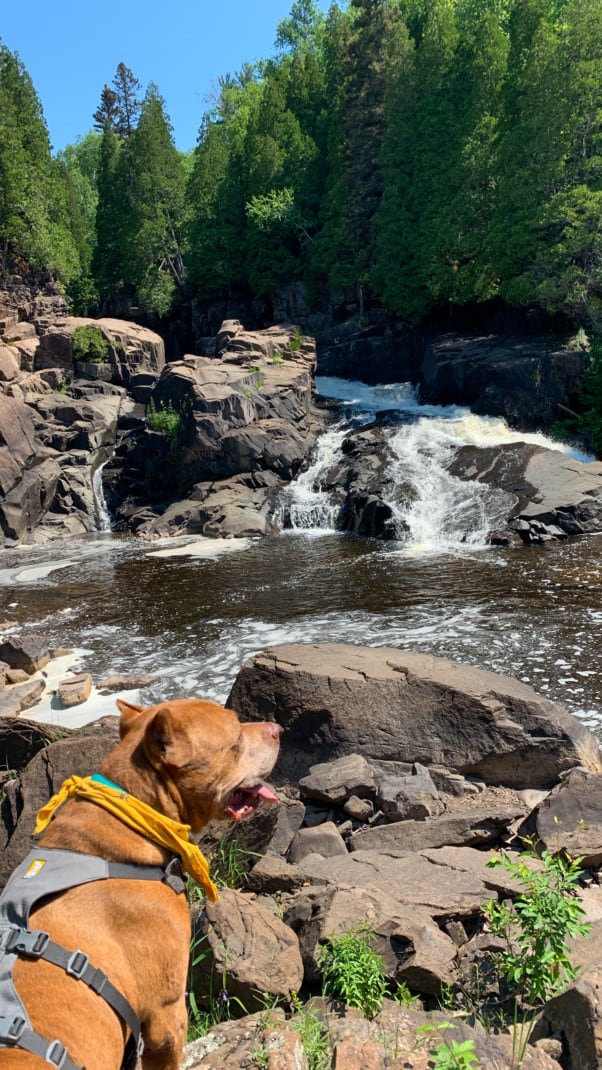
(417, 154)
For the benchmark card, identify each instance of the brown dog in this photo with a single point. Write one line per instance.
(192, 761)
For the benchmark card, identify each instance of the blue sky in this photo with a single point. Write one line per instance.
(71, 48)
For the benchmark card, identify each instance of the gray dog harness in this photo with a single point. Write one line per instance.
(41, 874)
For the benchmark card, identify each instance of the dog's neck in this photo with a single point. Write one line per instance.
(73, 829)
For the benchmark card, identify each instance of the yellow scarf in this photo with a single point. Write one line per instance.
(140, 817)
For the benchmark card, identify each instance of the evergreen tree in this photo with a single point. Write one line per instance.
(153, 259)
(107, 111)
(127, 100)
(80, 164)
(35, 231)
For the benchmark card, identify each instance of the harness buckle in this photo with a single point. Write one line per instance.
(77, 965)
(56, 1054)
(14, 1029)
(28, 943)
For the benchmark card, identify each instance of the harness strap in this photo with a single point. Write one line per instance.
(14, 1033)
(36, 944)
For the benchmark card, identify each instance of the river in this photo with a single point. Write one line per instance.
(193, 617)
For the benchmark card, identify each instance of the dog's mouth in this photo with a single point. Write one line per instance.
(244, 801)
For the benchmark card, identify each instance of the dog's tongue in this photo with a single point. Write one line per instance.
(265, 794)
(245, 800)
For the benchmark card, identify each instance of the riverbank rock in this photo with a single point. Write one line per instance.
(569, 820)
(529, 380)
(250, 952)
(421, 708)
(553, 495)
(78, 753)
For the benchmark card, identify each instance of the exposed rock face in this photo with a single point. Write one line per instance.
(555, 496)
(524, 380)
(135, 353)
(381, 353)
(249, 950)
(80, 754)
(246, 425)
(421, 708)
(569, 820)
(52, 446)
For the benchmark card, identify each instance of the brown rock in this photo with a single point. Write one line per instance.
(25, 652)
(21, 739)
(324, 840)
(569, 820)
(9, 363)
(127, 681)
(509, 734)
(250, 952)
(273, 874)
(576, 1013)
(410, 943)
(29, 693)
(74, 690)
(459, 829)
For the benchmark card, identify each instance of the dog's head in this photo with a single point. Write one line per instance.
(211, 765)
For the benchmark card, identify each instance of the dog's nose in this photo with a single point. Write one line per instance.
(274, 730)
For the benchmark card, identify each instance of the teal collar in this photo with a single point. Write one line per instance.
(103, 780)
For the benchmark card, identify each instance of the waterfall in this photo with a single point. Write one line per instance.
(103, 517)
(304, 505)
(432, 510)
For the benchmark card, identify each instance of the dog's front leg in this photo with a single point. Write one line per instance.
(164, 1036)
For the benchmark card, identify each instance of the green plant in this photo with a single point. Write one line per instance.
(537, 924)
(221, 1006)
(89, 343)
(296, 341)
(454, 1055)
(403, 996)
(314, 1034)
(352, 970)
(165, 419)
(230, 863)
(277, 357)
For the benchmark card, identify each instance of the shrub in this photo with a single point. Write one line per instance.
(352, 971)
(165, 419)
(89, 343)
(536, 925)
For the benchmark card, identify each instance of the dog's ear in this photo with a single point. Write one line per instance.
(165, 742)
(128, 713)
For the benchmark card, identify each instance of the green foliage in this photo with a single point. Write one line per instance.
(314, 1034)
(165, 419)
(454, 1055)
(35, 224)
(230, 863)
(352, 971)
(89, 343)
(537, 924)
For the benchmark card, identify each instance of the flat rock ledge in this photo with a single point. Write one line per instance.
(388, 704)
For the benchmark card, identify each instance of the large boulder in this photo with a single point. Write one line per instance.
(79, 754)
(386, 703)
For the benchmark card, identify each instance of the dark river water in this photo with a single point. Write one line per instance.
(533, 612)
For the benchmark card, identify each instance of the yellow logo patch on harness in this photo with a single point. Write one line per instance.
(36, 867)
